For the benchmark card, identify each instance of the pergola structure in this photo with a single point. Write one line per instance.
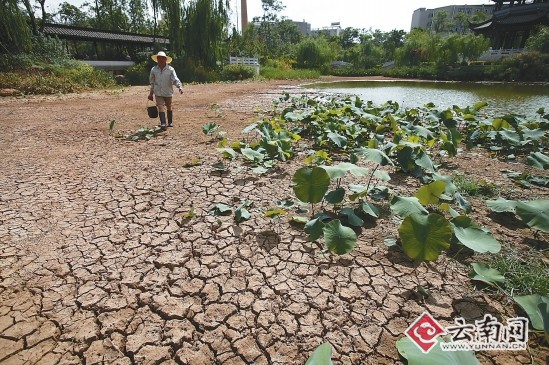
(123, 40)
(512, 22)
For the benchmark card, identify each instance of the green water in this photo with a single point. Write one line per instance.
(501, 97)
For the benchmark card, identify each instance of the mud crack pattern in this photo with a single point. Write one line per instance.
(98, 265)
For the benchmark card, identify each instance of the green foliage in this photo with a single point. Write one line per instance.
(138, 74)
(145, 133)
(539, 40)
(525, 66)
(74, 77)
(313, 53)
(473, 187)
(533, 306)
(424, 237)
(411, 352)
(310, 184)
(339, 239)
(237, 72)
(288, 74)
(469, 234)
(524, 270)
(482, 272)
(535, 213)
(15, 34)
(204, 27)
(322, 355)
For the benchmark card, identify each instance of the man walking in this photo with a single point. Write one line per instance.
(162, 78)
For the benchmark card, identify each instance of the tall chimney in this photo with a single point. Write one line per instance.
(244, 14)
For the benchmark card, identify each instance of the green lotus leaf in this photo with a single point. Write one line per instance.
(430, 193)
(374, 155)
(322, 355)
(339, 171)
(370, 209)
(335, 196)
(252, 155)
(463, 203)
(534, 213)
(310, 184)
(482, 272)
(424, 237)
(539, 160)
(314, 229)
(502, 205)
(338, 139)
(339, 239)
(470, 235)
(352, 218)
(411, 352)
(404, 206)
(530, 304)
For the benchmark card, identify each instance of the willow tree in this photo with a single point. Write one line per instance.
(15, 35)
(204, 31)
(173, 11)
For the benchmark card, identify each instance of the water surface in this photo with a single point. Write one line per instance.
(502, 98)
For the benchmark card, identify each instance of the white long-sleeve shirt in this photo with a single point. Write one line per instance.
(162, 81)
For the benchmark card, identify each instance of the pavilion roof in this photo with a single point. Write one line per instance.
(90, 34)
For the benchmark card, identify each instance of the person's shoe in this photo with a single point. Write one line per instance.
(170, 125)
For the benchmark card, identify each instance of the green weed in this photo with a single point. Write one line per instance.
(525, 271)
(472, 187)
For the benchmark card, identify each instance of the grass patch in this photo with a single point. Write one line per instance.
(525, 271)
(472, 187)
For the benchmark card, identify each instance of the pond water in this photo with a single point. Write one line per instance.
(502, 98)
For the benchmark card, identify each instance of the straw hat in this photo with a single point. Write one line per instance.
(161, 54)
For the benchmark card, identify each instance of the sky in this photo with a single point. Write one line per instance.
(384, 15)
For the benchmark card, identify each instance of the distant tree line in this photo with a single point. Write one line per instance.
(201, 38)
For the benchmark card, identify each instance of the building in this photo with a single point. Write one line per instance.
(303, 27)
(512, 22)
(333, 30)
(423, 18)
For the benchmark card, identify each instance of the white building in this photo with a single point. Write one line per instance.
(423, 18)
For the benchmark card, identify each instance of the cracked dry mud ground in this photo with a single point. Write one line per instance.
(96, 267)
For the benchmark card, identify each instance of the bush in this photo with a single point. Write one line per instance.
(526, 66)
(237, 72)
(138, 74)
(73, 77)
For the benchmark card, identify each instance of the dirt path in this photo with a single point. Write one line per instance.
(96, 267)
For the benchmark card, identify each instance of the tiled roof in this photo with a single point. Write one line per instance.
(70, 32)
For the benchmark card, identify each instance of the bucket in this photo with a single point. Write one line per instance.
(152, 111)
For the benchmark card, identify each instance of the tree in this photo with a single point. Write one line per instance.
(15, 35)
(440, 22)
(314, 53)
(271, 9)
(204, 30)
(71, 15)
(349, 37)
(393, 40)
(539, 41)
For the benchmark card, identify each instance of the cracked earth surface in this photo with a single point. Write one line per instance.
(97, 266)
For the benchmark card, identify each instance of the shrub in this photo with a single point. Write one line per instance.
(73, 77)
(526, 66)
(138, 74)
(237, 72)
